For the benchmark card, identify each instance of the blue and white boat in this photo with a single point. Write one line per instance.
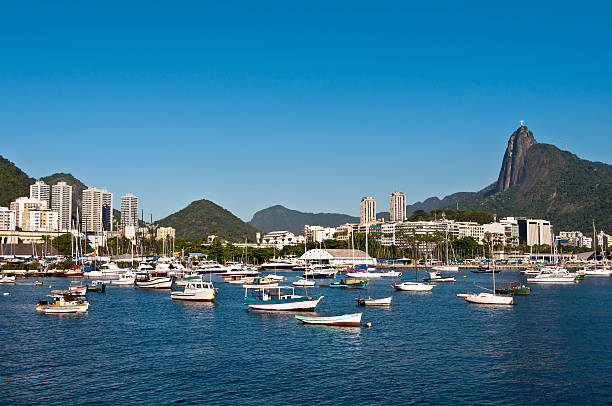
(278, 298)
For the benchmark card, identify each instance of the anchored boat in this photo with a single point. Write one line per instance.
(62, 303)
(196, 291)
(385, 301)
(345, 320)
(278, 298)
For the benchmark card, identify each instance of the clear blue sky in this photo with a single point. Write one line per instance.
(252, 104)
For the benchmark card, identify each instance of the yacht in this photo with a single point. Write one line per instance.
(196, 290)
(125, 279)
(277, 265)
(553, 274)
(153, 280)
(320, 272)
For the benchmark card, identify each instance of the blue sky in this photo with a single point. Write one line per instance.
(311, 106)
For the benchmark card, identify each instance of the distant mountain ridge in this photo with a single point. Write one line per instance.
(277, 218)
(14, 182)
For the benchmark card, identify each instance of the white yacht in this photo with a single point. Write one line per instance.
(110, 269)
(196, 291)
(595, 271)
(553, 274)
(153, 280)
(125, 279)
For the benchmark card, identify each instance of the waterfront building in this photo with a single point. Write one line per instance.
(318, 233)
(61, 202)
(164, 233)
(43, 220)
(535, 232)
(7, 219)
(397, 207)
(367, 210)
(21, 206)
(279, 239)
(338, 257)
(97, 210)
(41, 191)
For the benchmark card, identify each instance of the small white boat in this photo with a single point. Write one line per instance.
(391, 274)
(196, 291)
(275, 277)
(304, 282)
(385, 301)
(273, 298)
(365, 274)
(62, 304)
(464, 295)
(153, 280)
(7, 279)
(413, 287)
(261, 281)
(345, 320)
(445, 268)
(553, 274)
(436, 277)
(94, 273)
(126, 279)
(595, 271)
(238, 279)
(489, 298)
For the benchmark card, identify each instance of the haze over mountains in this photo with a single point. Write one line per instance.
(535, 180)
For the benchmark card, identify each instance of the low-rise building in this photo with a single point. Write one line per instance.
(318, 233)
(7, 219)
(22, 206)
(279, 239)
(338, 257)
(164, 233)
(43, 220)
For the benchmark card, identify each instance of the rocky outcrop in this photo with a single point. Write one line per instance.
(514, 158)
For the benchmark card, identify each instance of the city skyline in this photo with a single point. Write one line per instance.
(200, 102)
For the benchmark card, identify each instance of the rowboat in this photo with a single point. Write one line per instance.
(385, 301)
(345, 320)
(413, 287)
(273, 298)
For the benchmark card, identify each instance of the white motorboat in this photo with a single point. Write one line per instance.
(238, 279)
(274, 298)
(595, 271)
(7, 279)
(153, 280)
(530, 271)
(391, 274)
(275, 277)
(196, 291)
(445, 268)
(62, 303)
(413, 287)
(304, 282)
(489, 298)
(385, 301)
(127, 279)
(553, 274)
(436, 277)
(277, 265)
(110, 269)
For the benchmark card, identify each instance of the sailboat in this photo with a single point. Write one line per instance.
(447, 267)
(596, 269)
(489, 298)
(413, 286)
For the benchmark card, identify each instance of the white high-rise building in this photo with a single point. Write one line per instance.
(398, 207)
(61, 202)
(43, 220)
(7, 219)
(22, 206)
(97, 209)
(129, 215)
(367, 210)
(41, 191)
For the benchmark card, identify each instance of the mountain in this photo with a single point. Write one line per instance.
(278, 218)
(77, 186)
(540, 181)
(14, 182)
(203, 217)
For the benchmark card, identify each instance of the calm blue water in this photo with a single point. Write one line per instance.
(138, 346)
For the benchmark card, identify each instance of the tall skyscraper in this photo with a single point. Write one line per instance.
(41, 191)
(398, 206)
(97, 208)
(129, 211)
(61, 202)
(367, 210)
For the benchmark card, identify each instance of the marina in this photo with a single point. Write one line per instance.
(435, 327)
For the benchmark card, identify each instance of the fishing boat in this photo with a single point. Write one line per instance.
(515, 290)
(385, 301)
(61, 304)
(435, 276)
(126, 279)
(413, 287)
(196, 291)
(97, 286)
(153, 280)
(7, 279)
(345, 320)
(278, 298)
(262, 281)
(72, 290)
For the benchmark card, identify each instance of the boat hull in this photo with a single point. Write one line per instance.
(490, 299)
(347, 320)
(307, 303)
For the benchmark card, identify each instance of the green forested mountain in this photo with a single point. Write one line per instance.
(203, 217)
(14, 182)
(278, 218)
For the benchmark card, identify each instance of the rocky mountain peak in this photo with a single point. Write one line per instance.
(514, 159)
